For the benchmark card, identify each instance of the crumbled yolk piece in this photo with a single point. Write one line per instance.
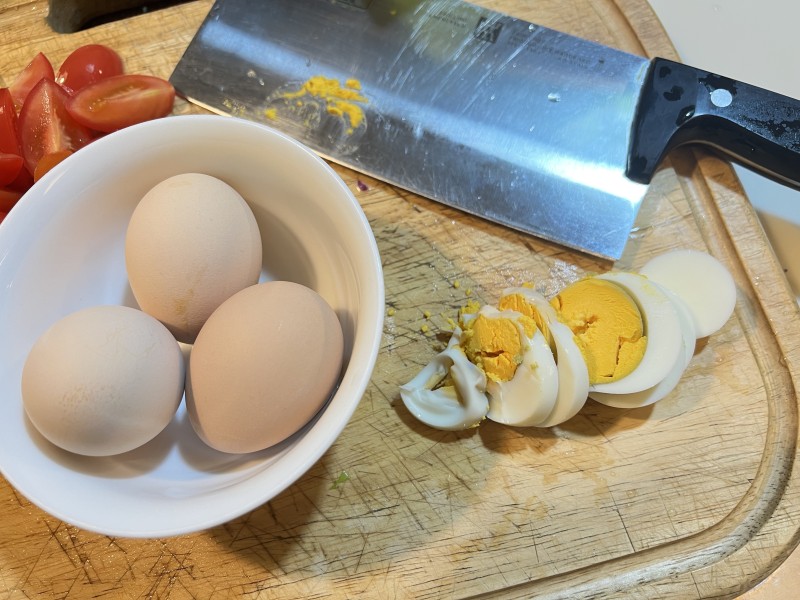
(607, 325)
(495, 344)
(341, 101)
(470, 308)
(518, 303)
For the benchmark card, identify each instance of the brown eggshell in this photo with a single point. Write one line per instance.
(262, 366)
(192, 242)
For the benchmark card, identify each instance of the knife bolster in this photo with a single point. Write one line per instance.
(680, 104)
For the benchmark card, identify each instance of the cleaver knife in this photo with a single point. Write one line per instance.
(525, 126)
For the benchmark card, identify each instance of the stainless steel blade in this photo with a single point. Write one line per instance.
(501, 118)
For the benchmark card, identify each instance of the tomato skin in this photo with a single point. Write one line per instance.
(122, 101)
(46, 126)
(39, 68)
(10, 165)
(9, 132)
(23, 182)
(8, 199)
(88, 64)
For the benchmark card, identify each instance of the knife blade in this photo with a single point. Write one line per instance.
(528, 127)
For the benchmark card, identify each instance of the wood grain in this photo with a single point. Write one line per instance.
(694, 497)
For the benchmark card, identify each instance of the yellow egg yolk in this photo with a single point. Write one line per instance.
(495, 344)
(607, 325)
(470, 308)
(519, 303)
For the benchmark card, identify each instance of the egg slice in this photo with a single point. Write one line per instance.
(529, 396)
(665, 386)
(662, 327)
(573, 375)
(701, 281)
(449, 392)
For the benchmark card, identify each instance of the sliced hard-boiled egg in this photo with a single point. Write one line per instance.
(449, 392)
(662, 328)
(529, 395)
(573, 375)
(621, 338)
(667, 384)
(521, 375)
(701, 281)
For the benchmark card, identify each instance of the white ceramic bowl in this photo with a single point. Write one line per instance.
(62, 249)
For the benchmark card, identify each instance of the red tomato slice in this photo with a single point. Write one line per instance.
(87, 65)
(23, 182)
(48, 161)
(9, 134)
(8, 199)
(39, 68)
(10, 165)
(121, 101)
(46, 126)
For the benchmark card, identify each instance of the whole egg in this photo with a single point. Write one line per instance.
(192, 242)
(103, 380)
(263, 365)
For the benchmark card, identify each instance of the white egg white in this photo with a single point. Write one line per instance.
(662, 327)
(529, 396)
(573, 375)
(701, 281)
(452, 407)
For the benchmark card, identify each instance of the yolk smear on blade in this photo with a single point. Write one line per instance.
(495, 344)
(607, 325)
(520, 304)
(340, 100)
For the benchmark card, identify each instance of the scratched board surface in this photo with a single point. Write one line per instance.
(691, 498)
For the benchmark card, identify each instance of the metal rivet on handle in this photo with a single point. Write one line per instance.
(721, 97)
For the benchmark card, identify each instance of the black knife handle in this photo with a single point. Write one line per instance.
(680, 104)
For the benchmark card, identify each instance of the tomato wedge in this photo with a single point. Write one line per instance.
(8, 199)
(48, 161)
(10, 165)
(39, 68)
(121, 101)
(46, 126)
(88, 64)
(9, 134)
(23, 181)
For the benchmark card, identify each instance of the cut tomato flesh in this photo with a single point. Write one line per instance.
(121, 101)
(48, 161)
(39, 68)
(46, 126)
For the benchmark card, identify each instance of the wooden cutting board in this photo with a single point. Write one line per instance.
(695, 497)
